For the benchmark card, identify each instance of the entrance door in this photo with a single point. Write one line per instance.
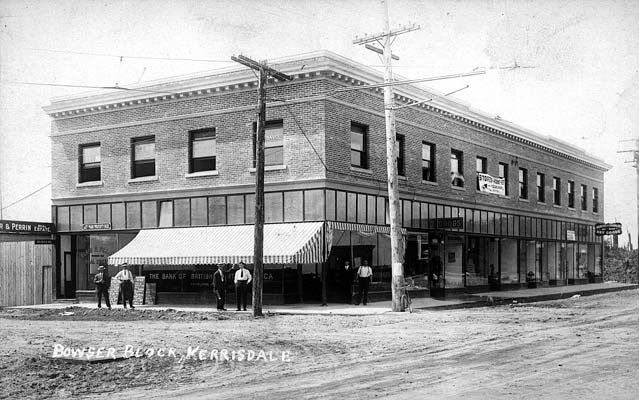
(69, 276)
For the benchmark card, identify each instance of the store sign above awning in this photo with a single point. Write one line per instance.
(492, 185)
(608, 229)
(37, 228)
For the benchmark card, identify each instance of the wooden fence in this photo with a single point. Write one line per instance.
(25, 273)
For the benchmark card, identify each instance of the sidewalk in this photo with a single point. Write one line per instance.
(382, 307)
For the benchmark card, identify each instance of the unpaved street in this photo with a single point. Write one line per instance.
(578, 348)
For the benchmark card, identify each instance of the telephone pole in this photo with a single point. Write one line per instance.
(635, 153)
(397, 251)
(258, 250)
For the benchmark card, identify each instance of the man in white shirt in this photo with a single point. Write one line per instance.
(242, 280)
(126, 285)
(364, 276)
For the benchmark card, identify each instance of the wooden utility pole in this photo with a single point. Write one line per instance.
(635, 160)
(258, 250)
(397, 250)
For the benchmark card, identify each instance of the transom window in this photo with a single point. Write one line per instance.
(203, 150)
(359, 145)
(90, 163)
(143, 157)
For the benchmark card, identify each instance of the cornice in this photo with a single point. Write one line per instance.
(322, 64)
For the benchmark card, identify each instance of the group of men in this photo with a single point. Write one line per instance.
(242, 280)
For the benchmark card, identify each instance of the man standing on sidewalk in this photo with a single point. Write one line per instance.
(219, 285)
(242, 280)
(364, 276)
(126, 285)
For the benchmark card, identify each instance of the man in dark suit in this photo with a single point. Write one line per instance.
(348, 274)
(219, 287)
(102, 284)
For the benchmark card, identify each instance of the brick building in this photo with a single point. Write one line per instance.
(485, 203)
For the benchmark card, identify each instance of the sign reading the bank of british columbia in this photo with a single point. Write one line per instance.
(608, 229)
(490, 184)
(42, 228)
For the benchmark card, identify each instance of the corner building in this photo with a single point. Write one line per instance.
(163, 177)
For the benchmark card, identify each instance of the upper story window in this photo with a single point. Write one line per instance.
(143, 157)
(523, 183)
(359, 145)
(541, 187)
(90, 163)
(202, 150)
(571, 194)
(584, 197)
(401, 155)
(482, 167)
(503, 173)
(273, 143)
(428, 162)
(556, 191)
(456, 168)
(595, 200)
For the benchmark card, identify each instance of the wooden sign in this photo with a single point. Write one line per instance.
(138, 290)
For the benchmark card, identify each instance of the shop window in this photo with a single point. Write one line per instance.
(149, 214)
(503, 173)
(509, 270)
(556, 191)
(62, 221)
(166, 214)
(76, 218)
(481, 164)
(293, 206)
(104, 213)
(314, 205)
(340, 206)
(143, 157)
(330, 205)
(90, 163)
(202, 150)
(541, 187)
(453, 261)
(400, 142)
(249, 208)
(428, 162)
(361, 208)
(181, 212)
(90, 214)
(133, 215)
(406, 213)
(595, 200)
(235, 209)
(456, 168)
(118, 214)
(198, 211)
(571, 194)
(351, 201)
(584, 197)
(273, 207)
(523, 183)
(381, 211)
(370, 209)
(273, 143)
(359, 145)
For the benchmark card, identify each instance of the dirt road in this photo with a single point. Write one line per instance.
(578, 348)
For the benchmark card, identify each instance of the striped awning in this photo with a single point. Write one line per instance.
(354, 227)
(296, 243)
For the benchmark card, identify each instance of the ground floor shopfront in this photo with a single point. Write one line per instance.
(447, 248)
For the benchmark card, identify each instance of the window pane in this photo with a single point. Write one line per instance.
(235, 209)
(144, 151)
(91, 154)
(166, 214)
(314, 205)
(90, 214)
(274, 156)
(133, 215)
(357, 141)
(182, 212)
(149, 214)
(370, 210)
(204, 148)
(340, 207)
(330, 205)
(293, 206)
(217, 210)
(198, 211)
(118, 213)
(352, 207)
(104, 213)
(273, 207)
(381, 212)
(361, 208)
(249, 208)
(62, 224)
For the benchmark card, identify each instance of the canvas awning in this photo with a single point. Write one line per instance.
(296, 243)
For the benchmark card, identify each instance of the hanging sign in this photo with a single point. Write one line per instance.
(492, 185)
(608, 229)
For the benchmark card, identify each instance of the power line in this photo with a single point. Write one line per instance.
(116, 87)
(122, 56)
(25, 197)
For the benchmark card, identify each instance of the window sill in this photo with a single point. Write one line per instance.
(89, 184)
(557, 205)
(504, 197)
(524, 200)
(460, 188)
(270, 168)
(430, 183)
(362, 170)
(543, 203)
(402, 178)
(201, 174)
(143, 179)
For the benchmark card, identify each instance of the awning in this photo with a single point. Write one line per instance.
(364, 228)
(296, 243)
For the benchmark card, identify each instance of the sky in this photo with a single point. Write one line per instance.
(578, 81)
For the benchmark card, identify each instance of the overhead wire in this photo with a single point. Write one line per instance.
(27, 196)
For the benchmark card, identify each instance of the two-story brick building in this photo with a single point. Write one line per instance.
(163, 177)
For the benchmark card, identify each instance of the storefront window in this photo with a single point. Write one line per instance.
(453, 261)
(582, 261)
(249, 208)
(480, 260)
(370, 210)
(361, 208)
(598, 259)
(351, 201)
(509, 271)
(273, 207)
(293, 210)
(570, 260)
(90, 214)
(104, 213)
(62, 224)
(166, 214)
(423, 222)
(550, 260)
(76, 218)
(406, 213)
(340, 206)
(217, 210)
(118, 215)
(330, 205)
(381, 211)
(314, 205)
